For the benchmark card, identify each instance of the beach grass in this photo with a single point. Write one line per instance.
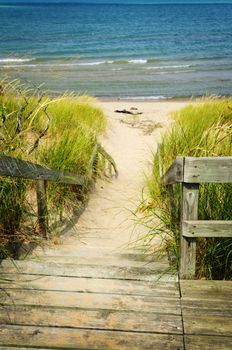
(200, 129)
(60, 133)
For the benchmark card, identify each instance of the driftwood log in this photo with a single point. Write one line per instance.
(125, 111)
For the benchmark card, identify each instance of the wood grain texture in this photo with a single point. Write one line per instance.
(119, 260)
(91, 285)
(206, 324)
(207, 311)
(205, 290)
(3, 347)
(206, 299)
(90, 301)
(42, 208)
(190, 193)
(91, 271)
(92, 319)
(196, 342)
(201, 228)
(174, 173)
(208, 307)
(208, 169)
(61, 338)
(15, 167)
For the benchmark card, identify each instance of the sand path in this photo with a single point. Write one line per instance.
(108, 225)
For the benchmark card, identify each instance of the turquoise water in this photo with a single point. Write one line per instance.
(116, 50)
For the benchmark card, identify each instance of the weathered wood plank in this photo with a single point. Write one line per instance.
(190, 193)
(197, 342)
(75, 270)
(90, 301)
(92, 319)
(15, 167)
(114, 260)
(201, 228)
(3, 347)
(61, 338)
(210, 299)
(203, 289)
(208, 307)
(174, 173)
(42, 208)
(208, 169)
(90, 285)
(205, 324)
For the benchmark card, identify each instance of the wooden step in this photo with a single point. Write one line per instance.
(92, 319)
(197, 342)
(91, 271)
(207, 309)
(203, 289)
(90, 285)
(66, 338)
(90, 301)
(115, 260)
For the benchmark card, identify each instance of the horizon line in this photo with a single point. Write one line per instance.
(115, 2)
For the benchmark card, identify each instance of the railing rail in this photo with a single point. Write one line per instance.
(191, 172)
(15, 167)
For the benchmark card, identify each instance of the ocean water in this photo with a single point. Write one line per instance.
(118, 50)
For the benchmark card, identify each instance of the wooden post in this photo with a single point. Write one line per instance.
(171, 201)
(190, 194)
(42, 208)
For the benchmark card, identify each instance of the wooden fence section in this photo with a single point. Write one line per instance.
(191, 172)
(19, 168)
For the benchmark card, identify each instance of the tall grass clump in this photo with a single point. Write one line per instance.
(69, 144)
(59, 133)
(200, 130)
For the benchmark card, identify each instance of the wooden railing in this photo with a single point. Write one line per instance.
(18, 168)
(191, 172)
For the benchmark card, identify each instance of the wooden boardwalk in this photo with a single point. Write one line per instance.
(116, 301)
(93, 295)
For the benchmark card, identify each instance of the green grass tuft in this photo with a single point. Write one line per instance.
(60, 133)
(199, 129)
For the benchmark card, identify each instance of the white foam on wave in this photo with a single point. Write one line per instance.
(20, 66)
(169, 67)
(15, 60)
(95, 63)
(139, 61)
(144, 98)
(91, 63)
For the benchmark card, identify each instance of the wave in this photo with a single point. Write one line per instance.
(15, 60)
(170, 67)
(143, 98)
(38, 62)
(139, 61)
(135, 61)
(89, 63)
